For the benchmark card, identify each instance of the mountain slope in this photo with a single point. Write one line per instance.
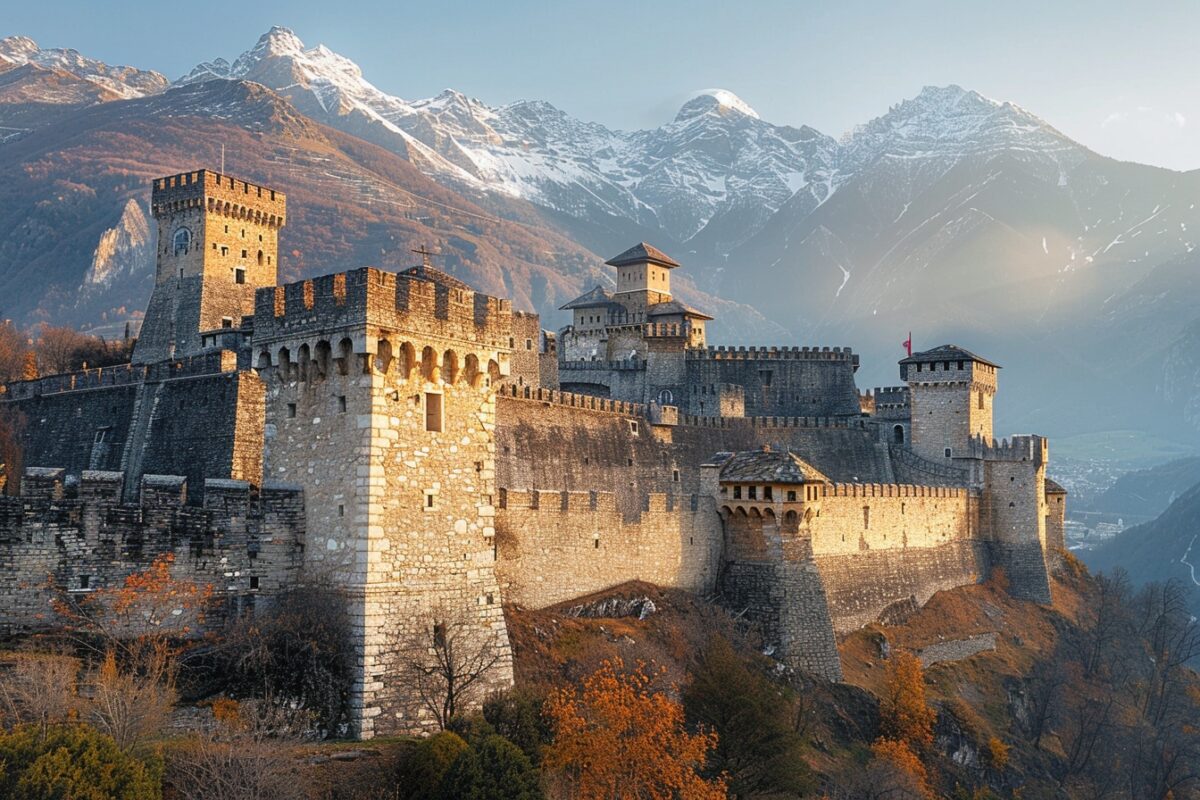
(1161, 550)
(717, 162)
(351, 203)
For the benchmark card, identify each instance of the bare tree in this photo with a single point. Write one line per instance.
(39, 689)
(450, 662)
(57, 349)
(14, 345)
(238, 759)
(132, 706)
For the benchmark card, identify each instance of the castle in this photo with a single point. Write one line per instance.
(437, 455)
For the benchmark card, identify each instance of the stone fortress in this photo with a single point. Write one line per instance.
(437, 455)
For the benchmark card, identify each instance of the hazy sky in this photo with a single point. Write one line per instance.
(1121, 77)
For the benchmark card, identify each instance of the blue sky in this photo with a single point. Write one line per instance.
(1122, 78)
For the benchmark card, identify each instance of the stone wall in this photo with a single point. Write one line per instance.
(198, 418)
(555, 546)
(783, 381)
(561, 442)
(242, 542)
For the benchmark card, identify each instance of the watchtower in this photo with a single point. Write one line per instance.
(951, 391)
(217, 242)
(643, 279)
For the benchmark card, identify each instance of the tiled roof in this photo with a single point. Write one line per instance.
(1054, 487)
(674, 307)
(596, 298)
(946, 352)
(766, 466)
(640, 253)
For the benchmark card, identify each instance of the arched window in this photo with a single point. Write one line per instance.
(260, 258)
(981, 401)
(665, 398)
(182, 241)
(898, 434)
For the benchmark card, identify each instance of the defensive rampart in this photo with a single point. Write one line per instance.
(555, 546)
(241, 542)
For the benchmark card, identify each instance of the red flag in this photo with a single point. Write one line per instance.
(907, 343)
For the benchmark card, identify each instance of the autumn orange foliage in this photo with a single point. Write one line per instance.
(620, 737)
(905, 716)
(906, 765)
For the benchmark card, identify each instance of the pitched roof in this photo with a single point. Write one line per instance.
(1054, 487)
(674, 307)
(424, 273)
(767, 466)
(596, 298)
(640, 253)
(946, 352)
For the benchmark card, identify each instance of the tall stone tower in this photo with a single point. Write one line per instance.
(643, 279)
(381, 403)
(217, 242)
(951, 392)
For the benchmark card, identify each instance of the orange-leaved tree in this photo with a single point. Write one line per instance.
(137, 630)
(618, 736)
(904, 714)
(898, 772)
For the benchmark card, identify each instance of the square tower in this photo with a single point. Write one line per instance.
(951, 391)
(218, 241)
(643, 279)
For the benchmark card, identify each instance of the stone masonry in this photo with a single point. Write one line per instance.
(436, 455)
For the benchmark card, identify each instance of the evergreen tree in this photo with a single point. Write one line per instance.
(493, 769)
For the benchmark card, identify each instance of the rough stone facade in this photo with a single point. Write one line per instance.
(245, 542)
(436, 454)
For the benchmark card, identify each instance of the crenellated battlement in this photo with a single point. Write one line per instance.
(377, 298)
(220, 194)
(773, 353)
(1024, 447)
(847, 423)
(587, 401)
(210, 363)
(891, 490)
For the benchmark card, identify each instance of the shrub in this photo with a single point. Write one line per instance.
(492, 769)
(76, 762)
(517, 716)
(420, 777)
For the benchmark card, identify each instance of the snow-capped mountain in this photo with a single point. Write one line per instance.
(716, 161)
(951, 215)
(949, 123)
(124, 82)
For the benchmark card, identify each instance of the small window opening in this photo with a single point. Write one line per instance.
(675, 475)
(342, 403)
(291, 408)
(239, 275)
(433, 412)
(253, 581)
(866, 517)
(737, 493)
(341, 510)
(768, 493)
(85, 581)
(753, 494)
(947, 452)
(439, 634)
(226, 322)
(791, 495)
